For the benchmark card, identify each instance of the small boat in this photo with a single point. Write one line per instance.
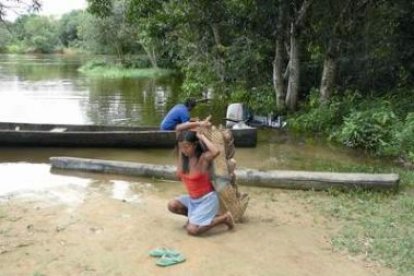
(27, 134)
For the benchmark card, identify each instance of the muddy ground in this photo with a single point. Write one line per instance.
(105, 232)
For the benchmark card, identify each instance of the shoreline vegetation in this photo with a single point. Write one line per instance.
(111, 70)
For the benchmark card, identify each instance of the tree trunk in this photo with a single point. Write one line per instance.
(296, 26)
(220, 52)
(151, 56)
(278, 81)
(294, 70)
(278, 76)
(330, 63)
(328, 79)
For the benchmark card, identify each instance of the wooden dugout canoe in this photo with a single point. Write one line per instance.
(25, 134)
(275, 179)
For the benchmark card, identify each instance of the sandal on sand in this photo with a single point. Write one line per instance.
(160, 252)
(168, 260)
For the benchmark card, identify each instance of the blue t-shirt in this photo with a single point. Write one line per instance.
(177, 115)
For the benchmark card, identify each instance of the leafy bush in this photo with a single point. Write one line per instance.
(320, 118)
(372, 129)
(96, 63)
(260, 100)
(16, 48)
(130, 61)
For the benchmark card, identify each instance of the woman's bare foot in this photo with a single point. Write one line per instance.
(229, 220)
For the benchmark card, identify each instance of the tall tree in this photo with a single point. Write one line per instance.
(291, 20)
(280, 57)
(110, 31)
(344, 16)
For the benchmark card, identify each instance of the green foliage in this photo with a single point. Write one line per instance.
(198, 76)
(41, 34)
(5, 38)
(318, 118)
(110, 34)
(96, 63)
(381, 126)
(102, 8)
(68, 28)
(34, 34)
(371, 129)
(135, 61)
(104, 69)
(16, 48)
(261, 100)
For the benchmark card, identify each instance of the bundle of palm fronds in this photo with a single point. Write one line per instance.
(224, 179)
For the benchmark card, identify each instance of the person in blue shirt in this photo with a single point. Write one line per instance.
(179, 114)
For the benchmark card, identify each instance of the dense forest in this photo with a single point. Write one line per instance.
(339, 68)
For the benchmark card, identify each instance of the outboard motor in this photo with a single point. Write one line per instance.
(236, 113)
(239, 116)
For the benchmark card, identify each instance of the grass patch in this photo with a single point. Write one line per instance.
(96, 69)
(379, 226)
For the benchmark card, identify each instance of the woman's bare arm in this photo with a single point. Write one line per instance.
(211, 150)
(190, 125)
(187, 126)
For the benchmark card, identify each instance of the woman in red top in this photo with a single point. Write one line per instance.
(201, 205)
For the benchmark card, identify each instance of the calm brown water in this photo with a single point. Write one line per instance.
(49, 89)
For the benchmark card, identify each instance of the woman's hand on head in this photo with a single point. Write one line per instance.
(199, 135)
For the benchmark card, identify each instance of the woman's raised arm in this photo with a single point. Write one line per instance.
(211, 150)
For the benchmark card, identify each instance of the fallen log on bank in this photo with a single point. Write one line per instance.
(275, 179)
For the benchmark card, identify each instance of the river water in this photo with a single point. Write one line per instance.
(49, 89)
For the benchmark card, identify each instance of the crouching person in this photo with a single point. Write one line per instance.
(201, 204)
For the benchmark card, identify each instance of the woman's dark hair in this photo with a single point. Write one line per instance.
(190, 137)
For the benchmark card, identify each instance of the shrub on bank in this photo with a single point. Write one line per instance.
(373, 124)
(103, 68)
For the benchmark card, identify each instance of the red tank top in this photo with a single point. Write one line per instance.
(197, 184)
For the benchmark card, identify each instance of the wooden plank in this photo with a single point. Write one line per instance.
(275, 179)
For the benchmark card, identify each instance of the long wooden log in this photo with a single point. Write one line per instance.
(252, 177)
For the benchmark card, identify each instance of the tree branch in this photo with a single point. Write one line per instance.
(302, 13)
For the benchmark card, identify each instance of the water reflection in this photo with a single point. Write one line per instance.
(49, 89)
(128, 101)
(34, 181)
(121, 190)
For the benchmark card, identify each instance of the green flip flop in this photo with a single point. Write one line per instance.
(159, 252)
(168, 260)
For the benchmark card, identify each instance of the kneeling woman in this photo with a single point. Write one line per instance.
(201, 205)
